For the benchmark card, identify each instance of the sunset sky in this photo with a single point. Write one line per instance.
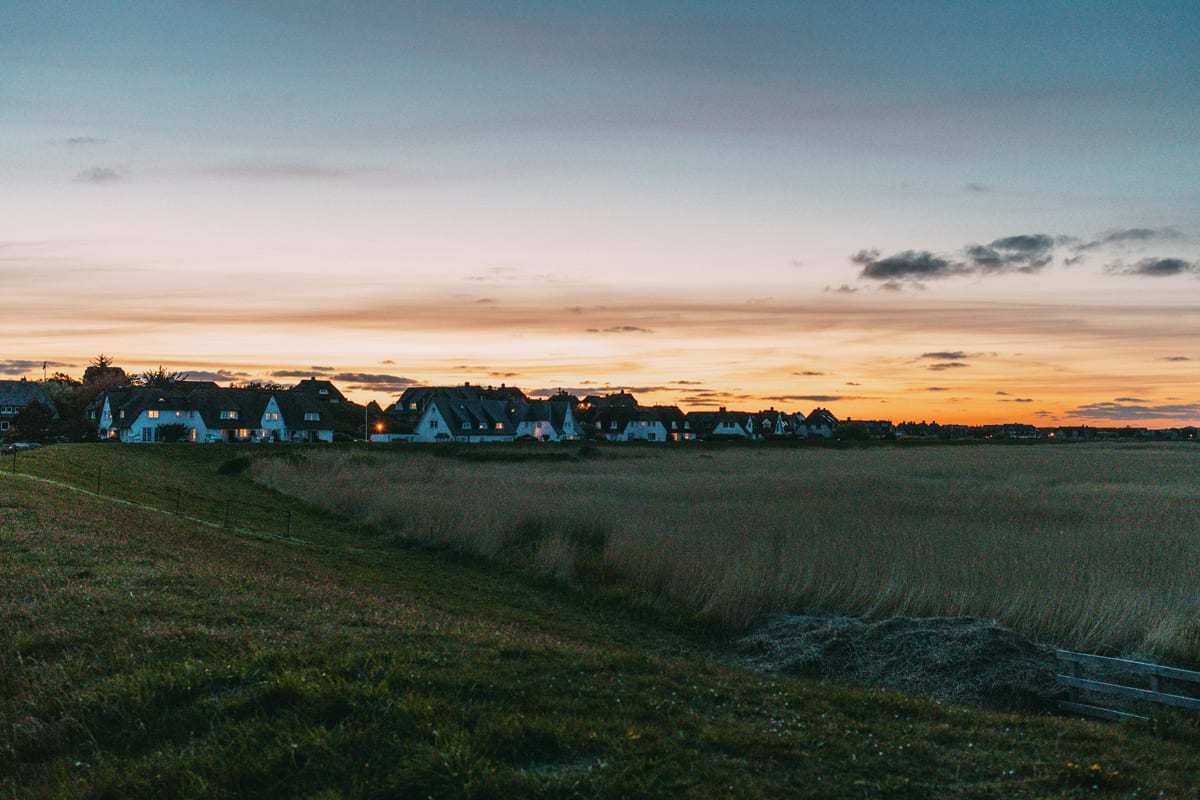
(952, 211)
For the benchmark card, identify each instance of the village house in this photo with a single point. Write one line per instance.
(15, 396)
(202, 412)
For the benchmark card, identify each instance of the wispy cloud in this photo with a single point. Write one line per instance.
(1132, 410)
(945, 355)
(365, 380)
(20, 367)
(1156, 268)
(620, 329)
(100, 176)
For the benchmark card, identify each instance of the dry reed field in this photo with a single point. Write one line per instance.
(1094, 547)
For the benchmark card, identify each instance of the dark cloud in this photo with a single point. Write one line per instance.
(910, 264)
(311, 372)
(1127, 236)
(845, 288)
(1175, 358)
(809, 373)
(686, 383)
(1130, 400)
(387, 361)
(219, 375)
(1118, 410)
(1026, 254)
(1018, 400)
(945, 365)
(937, 388)
(810, 398)
(100, 175)
(366, 380)
(1156, 267)
(620, 329)
(1002, 394)
(20, 367)
(946, 355)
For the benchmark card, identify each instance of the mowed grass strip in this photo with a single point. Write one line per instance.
(146, 655)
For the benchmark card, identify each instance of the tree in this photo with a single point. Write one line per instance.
(159, 378)
(101, 374)
(852, 432)
(32, 423)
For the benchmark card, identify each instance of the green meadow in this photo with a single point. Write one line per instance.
(478, 639)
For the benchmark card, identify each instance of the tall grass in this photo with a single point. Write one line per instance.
(1090, 546)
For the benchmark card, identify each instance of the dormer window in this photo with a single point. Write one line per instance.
(229, 414)
(312, 416)
(152, 413)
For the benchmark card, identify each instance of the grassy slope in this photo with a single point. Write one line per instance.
(142, 654)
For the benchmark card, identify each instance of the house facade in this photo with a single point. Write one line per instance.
(15, 396)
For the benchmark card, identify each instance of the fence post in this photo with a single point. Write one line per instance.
(227, 504)
(1073, 671)
(289, 522)
(99, 472)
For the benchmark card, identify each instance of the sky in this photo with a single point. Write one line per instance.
(961, 212)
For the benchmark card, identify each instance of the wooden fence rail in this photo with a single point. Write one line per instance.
(1077, 685)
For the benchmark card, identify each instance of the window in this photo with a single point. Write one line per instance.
(500, 426)
(466, 426)
(312, 416)
(8, 410)
(271, 416)
(227, 415)
(122, 415)
(3, 424)
(433, 423)
(152, 414)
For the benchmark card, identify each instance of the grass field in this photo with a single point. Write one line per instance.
(144, 654)
(1092, 547)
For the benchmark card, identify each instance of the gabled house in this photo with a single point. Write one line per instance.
(452, 418)
(819, 424)
(546, 421)
(15, 396)
(772, 424)
(321, 390)
(137, 414)
(722, 424)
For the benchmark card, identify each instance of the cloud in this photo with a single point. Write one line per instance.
(1156, 267)
(1175, 358)
(84, 140)
(977, 188)
(366, 380)
(311, 372)
(945, 365)
(1018, 400)
(1130, 400)
(1127, 236)
(620, 329)
(937, 388)
(808, 373)
(1131, 411)
(20, 367)
(946, 355)
(1026, 253)
(219, 375)
(100, 176)
(845, 288)
(906, 265)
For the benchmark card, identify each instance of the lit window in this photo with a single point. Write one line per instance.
(153, 414)
(500, 426)
(224, 414)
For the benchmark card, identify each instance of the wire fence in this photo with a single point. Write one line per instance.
(228, 512)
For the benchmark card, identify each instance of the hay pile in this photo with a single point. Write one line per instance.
(961, 660)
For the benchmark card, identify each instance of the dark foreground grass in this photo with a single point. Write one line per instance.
(145, 655)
